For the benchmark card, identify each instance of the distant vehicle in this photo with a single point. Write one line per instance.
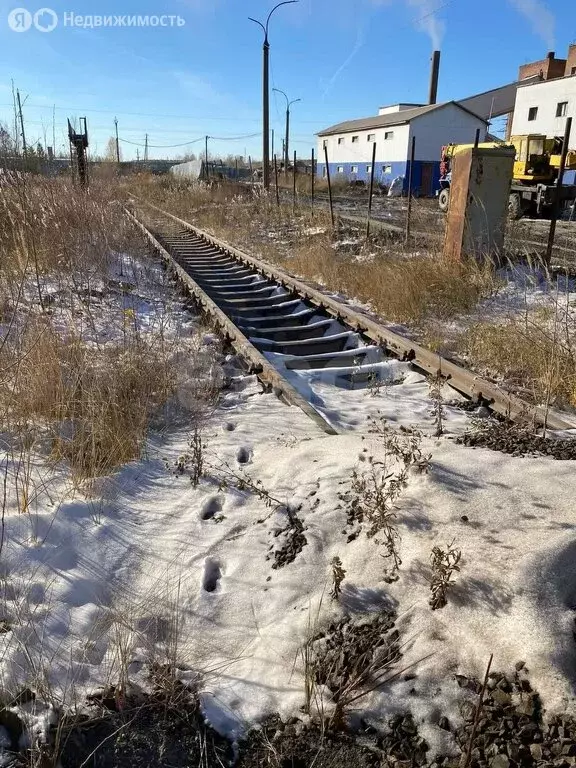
(534, 183)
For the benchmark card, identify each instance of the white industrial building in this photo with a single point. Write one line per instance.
(350, 144)
(543, 107)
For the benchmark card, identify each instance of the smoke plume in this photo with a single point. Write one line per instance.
(425, 18)
(428, 21)
(541, 19)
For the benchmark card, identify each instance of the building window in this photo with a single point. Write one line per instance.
(532, 113)
(340, 169)
(354, 169)
(341, 140)
(371, 137)
(368, 169)
(388, 169)
(561, 109)
(324, 143)
(389, 135)
(355, 139)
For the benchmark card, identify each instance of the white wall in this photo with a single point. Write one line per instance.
(396, 108)
(444, 126)
(432, 131)
(546, 97)
(387, 150)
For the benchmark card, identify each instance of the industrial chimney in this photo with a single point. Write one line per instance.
(435, 73)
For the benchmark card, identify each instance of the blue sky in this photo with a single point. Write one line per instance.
(343, 58)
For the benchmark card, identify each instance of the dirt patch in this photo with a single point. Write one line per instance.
(294, 745)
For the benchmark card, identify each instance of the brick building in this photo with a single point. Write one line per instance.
(550, 68)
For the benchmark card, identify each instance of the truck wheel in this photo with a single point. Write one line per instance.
(515, 206)
(444, 200)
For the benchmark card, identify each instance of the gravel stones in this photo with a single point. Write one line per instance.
(517, 441)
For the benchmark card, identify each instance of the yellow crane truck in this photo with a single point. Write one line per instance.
(534, 186)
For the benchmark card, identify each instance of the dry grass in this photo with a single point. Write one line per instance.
(528, 354)
(48, 226)
(406, 290)
(402, 287)
(92, 401)
(416, 288)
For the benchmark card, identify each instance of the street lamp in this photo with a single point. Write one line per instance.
(266, 94)
(288, 105)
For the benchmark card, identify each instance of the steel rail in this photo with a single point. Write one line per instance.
(464, 381)
(378, 223)
(259, 365)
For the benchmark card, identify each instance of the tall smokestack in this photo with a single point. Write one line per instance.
(434, 75)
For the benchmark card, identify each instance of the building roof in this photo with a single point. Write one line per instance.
(497, 101)
(538, 80)
(392, 118)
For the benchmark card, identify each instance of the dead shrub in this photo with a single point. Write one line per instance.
(527, 354)
(96, 406)
(110, 408)
(49, 226)
(407, 290)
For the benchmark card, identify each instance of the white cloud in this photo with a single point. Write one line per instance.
(540, 17)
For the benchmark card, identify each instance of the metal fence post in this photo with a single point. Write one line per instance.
(410, 178)
(294, 185)
(276, 180)
(313, 179)
(329, 185)
(371, 190)
(559, 183)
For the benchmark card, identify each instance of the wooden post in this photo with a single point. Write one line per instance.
(313, 179)
(477, 139)
(559, 183)
(294, 185)
(276, 179)
(371, 190)
(410, 178)
(329, 185)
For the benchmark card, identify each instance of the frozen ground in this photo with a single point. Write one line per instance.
(151, 568)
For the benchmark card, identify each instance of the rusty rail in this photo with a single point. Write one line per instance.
(463, 381)
(258, 363)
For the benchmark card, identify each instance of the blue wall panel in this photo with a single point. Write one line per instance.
(385, 173)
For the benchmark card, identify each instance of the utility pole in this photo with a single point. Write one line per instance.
(146, 148)
(16, 131)
(24, 148)
(117, 142)
(266, 95)
(137, 155)
(287, 139)
(272, 142)
(206, 156)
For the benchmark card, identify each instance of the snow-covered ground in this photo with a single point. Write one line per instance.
(151, 568)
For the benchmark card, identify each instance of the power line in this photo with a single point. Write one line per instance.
(195, 141)
(161, 146)
(235, 138)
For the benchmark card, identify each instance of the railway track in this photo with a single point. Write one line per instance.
(428, 223)
(285, 330)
